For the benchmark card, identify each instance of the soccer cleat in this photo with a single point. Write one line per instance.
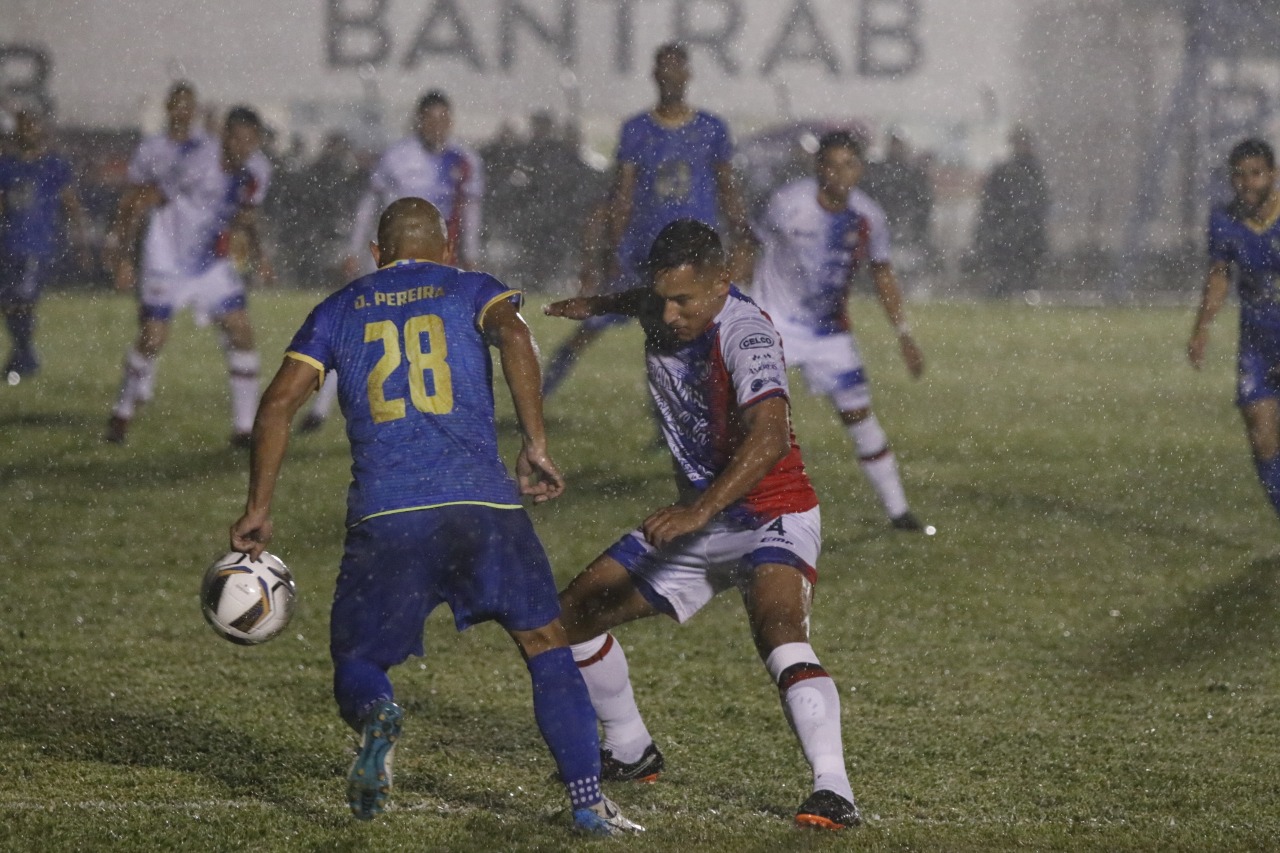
(907, 522)
(828, 810)
(369, 780)
(311, 423)
(241, 440)
(604, 818)
(646, 768)
(117, 430)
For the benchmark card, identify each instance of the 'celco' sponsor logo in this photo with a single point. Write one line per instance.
(756, 342)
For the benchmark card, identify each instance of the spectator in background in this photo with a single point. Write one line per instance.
(903, 189)
(1012, 238)
(37, 189)
(312, 208)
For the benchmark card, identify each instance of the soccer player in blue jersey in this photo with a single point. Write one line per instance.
(1244, 238)
(673, 162)
(37, 190)
(746, 515)
(426, 164)
(433, 516)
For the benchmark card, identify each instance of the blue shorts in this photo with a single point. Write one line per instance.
(485, 563)
(1257, 367)
(21, 279)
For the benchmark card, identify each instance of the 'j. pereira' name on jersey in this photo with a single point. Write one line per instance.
(400, 297)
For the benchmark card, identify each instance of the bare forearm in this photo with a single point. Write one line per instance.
(1216, 286)
(768, 440)
(524, 381)
(889, 294)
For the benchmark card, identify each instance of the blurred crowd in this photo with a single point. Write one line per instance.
(540, 185)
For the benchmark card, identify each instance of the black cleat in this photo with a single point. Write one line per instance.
(907, 522)
(241, 441)
(117, 430)
(828, 810)
(646, 768)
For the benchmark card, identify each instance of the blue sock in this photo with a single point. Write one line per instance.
(359, 685)
(1269, 475)
(558, 369)
(568, 723)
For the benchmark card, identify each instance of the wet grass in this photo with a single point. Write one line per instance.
(1084, 657)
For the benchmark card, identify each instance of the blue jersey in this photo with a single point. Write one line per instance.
(415, 382)
(1255, 254)
(31, 204)
(675, 176)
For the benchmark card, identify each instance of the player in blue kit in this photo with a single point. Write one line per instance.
(426, 164)
(1244, 237)
(37, 189)
(433, 516)
(674, 162)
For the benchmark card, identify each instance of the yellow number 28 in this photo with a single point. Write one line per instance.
(437, 402)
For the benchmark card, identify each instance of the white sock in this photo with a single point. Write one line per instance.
(604, 668)
(138, 384)
(327, 395)
(879, 464)
(242, 368)
(812, 705)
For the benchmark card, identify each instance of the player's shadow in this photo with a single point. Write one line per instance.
(60, 724)
(1238, 615)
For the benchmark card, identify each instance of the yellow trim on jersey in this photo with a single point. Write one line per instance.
(305, 359)
(1273, 216)
(437, 506)
(500, 297)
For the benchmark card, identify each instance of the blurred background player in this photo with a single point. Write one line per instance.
(425, 164)
(673, 162)
(191, 209)
(433, 516)
(816, 232)
(1243, 236)
(37, 190)
(746, 516)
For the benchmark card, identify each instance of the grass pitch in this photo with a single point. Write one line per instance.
(1083, 657)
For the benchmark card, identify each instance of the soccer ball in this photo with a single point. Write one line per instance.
(247, 601)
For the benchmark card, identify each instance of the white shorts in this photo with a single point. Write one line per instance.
(211, 294)
(831, 364)
(681, 578)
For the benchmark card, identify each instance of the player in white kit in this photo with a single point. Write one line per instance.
(815, 235)
(425, 164)
(192, 195)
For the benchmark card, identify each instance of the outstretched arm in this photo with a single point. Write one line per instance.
(1217, 283)
(506, 329)
(292, 385)
(891, 299)
(767, 441)
(629, 303)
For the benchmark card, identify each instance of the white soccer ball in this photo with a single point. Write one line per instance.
(247, 601)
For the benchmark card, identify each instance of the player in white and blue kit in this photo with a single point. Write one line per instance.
(673, 162)
(192, 206)
(433, 516)
(426, 164)
(37, 191)
(1244, 240)
(746, 515)
(815, 235)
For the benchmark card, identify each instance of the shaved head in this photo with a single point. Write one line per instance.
(411, 229)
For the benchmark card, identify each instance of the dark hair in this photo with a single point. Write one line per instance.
(684, 242)
(840, 139)
(244, 115)
(1252, 147)
(671, 48)
(181, 87)
(432, 98)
